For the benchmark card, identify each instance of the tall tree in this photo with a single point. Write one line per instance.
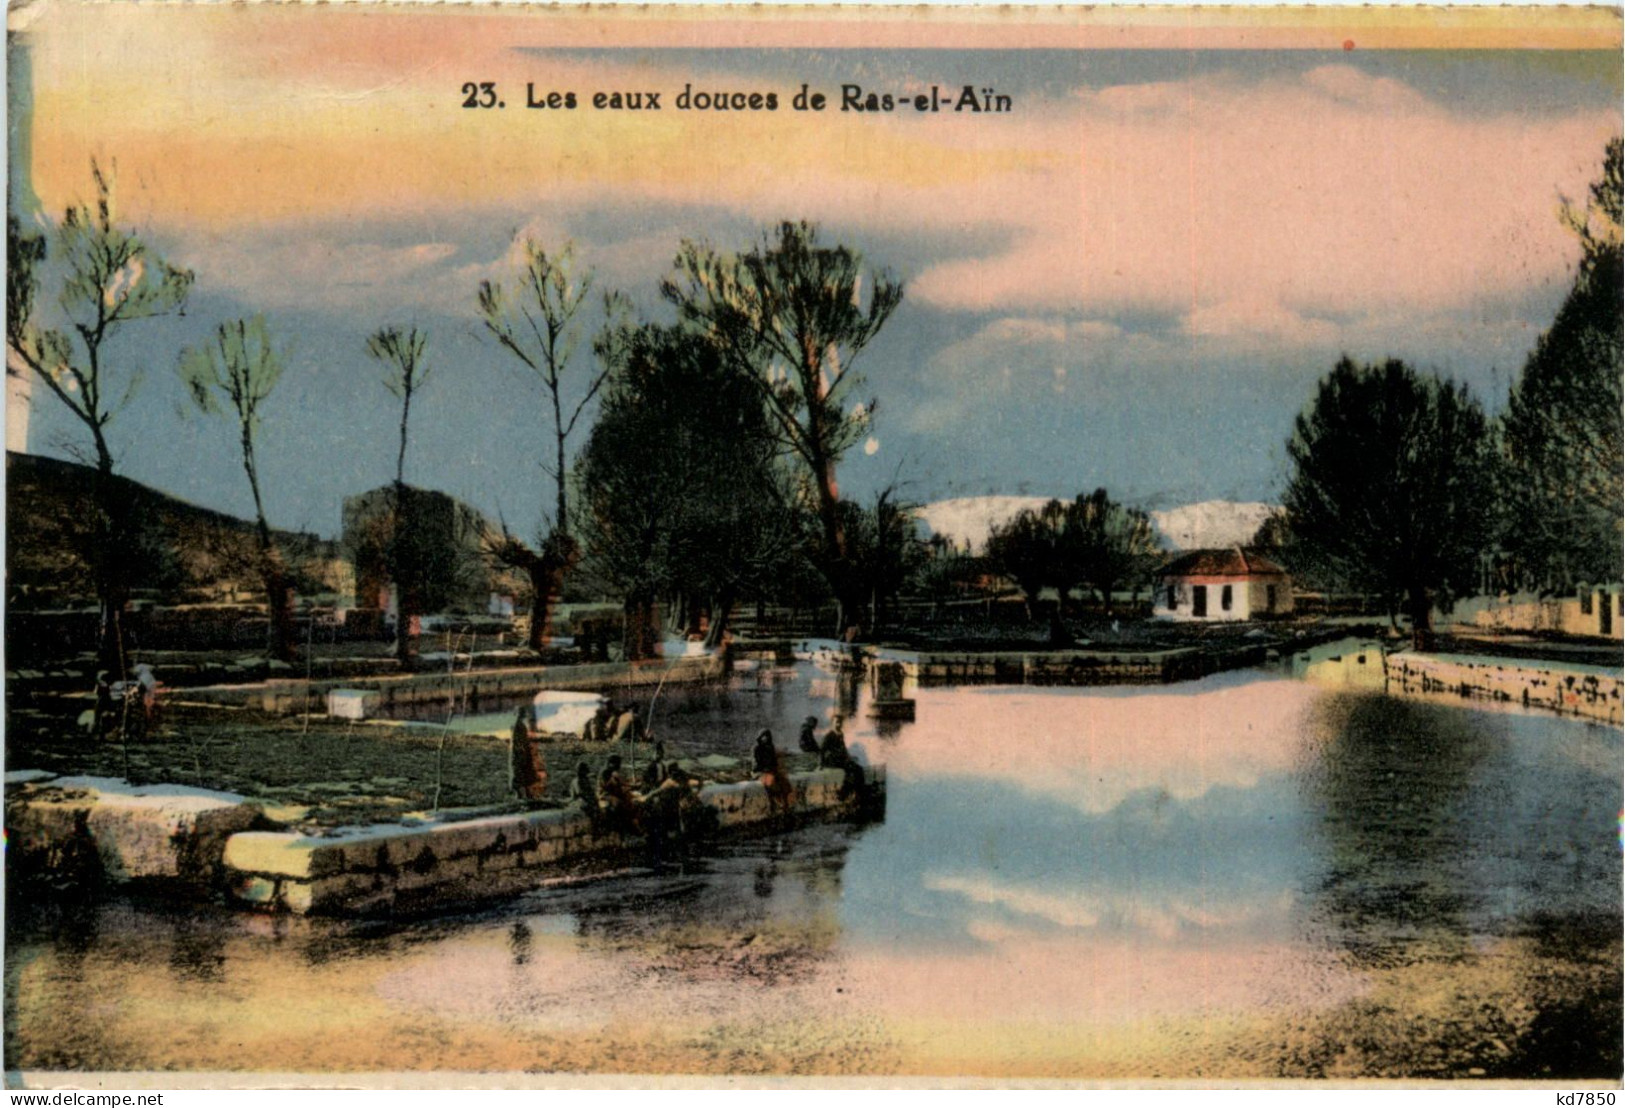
(1562, 427)
(539, 324)
(680, 493)
(237, 371)
(791, 315)
(886, 549)
(1391, 488)
(1023, 550)
(1109, 544)
(111, 278)
(403, 354)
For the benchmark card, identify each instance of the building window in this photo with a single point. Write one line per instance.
(1173, 598)
(1585, 602)
(1269, 598)
(1224, 598)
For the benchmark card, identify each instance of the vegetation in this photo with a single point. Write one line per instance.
(1392, 486)
(539, 325)
(683, 494)
(1562, 428)
(1091, 540)
(790, 316)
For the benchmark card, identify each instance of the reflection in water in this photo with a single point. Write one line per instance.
(1242, 876)
(519, 940)
(1388, 781)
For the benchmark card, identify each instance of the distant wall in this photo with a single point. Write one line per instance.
(1597, 612)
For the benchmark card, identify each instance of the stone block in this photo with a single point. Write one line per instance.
(281, 854)
(140, 832)
(351, 703)
(443, 870)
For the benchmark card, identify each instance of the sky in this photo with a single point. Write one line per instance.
(1133, 278)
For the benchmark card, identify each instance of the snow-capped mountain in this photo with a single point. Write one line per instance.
(970, 519)
(1211, 523)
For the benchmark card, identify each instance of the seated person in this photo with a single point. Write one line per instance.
(655, 772)
(620, 808)
(809, 738)
(769, 767)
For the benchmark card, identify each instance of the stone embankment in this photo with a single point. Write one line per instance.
(1073, 667)
(1583, 692)
(1586, 692)
(204, 843)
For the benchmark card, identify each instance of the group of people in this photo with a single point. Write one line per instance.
(668, 808)
(611, 724)
(832, 753)
(608, 724)
(668, 803)
(128, 707)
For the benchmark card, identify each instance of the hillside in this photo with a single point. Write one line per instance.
(183, 552)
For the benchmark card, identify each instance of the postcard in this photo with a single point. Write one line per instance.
(682, 545)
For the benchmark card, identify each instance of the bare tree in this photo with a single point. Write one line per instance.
(110, 278)
(538, 323)
(238, 369)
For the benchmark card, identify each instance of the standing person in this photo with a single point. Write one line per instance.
(770, 769)
(529, 770)
(106, 712)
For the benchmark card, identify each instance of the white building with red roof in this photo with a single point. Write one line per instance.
(1225, 584)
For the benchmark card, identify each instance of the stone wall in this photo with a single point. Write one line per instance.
(390, 868)
(1569, 692)
(201, 842)
(1072, 667)
(292, 696)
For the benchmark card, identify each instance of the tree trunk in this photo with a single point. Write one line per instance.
(721, 611)
(1421, 612)
(112, 585)
(280, 634)
(638, 641)
(406, 600)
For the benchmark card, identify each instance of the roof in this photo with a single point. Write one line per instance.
(1229, 562)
